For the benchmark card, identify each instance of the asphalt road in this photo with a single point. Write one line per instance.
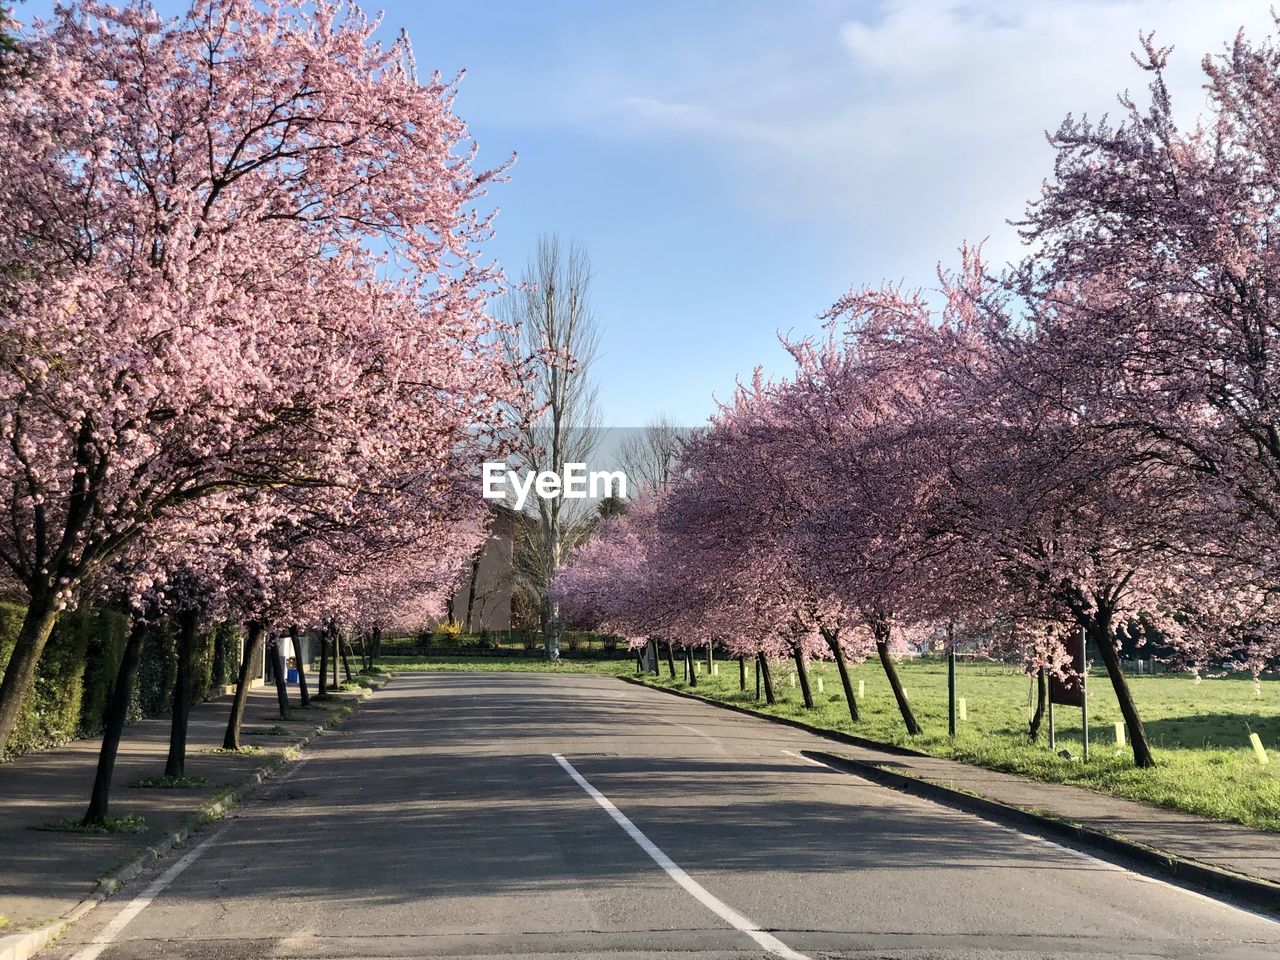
(440, 823)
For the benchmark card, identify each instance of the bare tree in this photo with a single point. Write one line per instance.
(649, 456)
(550, 329)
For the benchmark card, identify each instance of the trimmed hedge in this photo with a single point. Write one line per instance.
(73, 679)
(78, 669)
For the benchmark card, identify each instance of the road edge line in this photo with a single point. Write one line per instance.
(27, 943)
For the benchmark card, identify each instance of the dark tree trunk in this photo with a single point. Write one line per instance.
(837, 653)
(20, 671)
(671, 660)
(768, 680)
(890, 671)
(711, 658)
(693, 673)
(113, 728)
(471, 590)
(803, 673)
(1100, 632)
(304, 698)
(175, 764)
(742, 673)
(346, 663)
(640, 658)
(282, 681)
(1042, 699)
(232, 739)
(653, 647)
(337, 639)
(377, 643)
(323, 683)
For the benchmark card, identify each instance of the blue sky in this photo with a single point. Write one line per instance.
(734, 166)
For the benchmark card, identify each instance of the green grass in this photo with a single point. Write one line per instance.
(129, 824)
(469, 664)
(173, 783)
(1199, 731)
(244, 751)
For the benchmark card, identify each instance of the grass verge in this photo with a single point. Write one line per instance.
(127, 824)
(172, 783)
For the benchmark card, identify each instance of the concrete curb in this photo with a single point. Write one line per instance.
(24, 945)
(1253, 891)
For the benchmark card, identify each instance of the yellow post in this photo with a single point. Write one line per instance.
(1119, 733)
(963, 706)
(820, 685)
(862, 689)
(1259, 749)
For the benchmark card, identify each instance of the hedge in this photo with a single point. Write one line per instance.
(79, 664)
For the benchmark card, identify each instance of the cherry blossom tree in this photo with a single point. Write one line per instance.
(1153, 259)
(237, 249)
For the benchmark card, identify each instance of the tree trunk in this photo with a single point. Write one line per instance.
(375, 646)
(1042, 698)
(304, 698)
(232, 739)
(768, 680)
(337, 639)
(113, 728)
(1100, 631)
(742, 673)
(837, 652)
(20, 671)
(671, 660)
(175, 764)
(471, 590)
(890, 671)
(693, 673)
(346, 663)
(653, 647)
(711, 657)
(282, 681)
(803, 673)
(323, 682)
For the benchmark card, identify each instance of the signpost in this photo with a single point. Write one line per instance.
(1072, 692)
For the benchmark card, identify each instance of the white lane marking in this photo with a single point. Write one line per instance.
(1093, 860)
(810, 760)
(717, 906)
(141, 902)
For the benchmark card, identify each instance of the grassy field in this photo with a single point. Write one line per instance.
(1199, 731)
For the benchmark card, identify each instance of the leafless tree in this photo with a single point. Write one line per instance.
(551, 329)
(649, 456)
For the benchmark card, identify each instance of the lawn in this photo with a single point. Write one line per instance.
(1199, 731)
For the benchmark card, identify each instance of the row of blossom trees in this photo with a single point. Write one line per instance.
(1088, 441)
(245, 363)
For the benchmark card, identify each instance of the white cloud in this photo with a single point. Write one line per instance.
(923, 125)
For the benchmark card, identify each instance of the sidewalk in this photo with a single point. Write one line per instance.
(1175, 842)
(44, 874)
